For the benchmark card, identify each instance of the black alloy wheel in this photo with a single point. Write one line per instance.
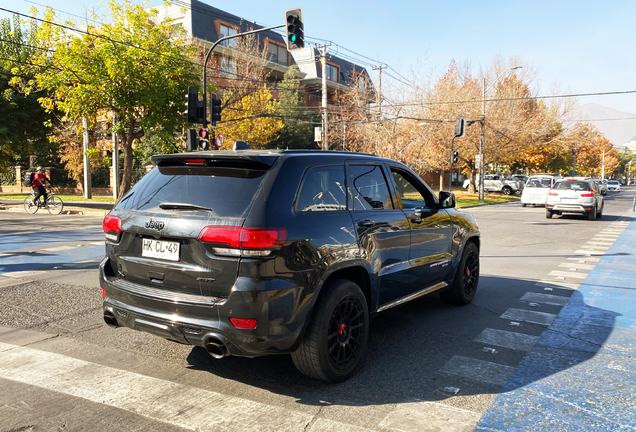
(346, 329)
(466, 280)
(507, 190)
(336, 340)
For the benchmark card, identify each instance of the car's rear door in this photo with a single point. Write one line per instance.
(384, 233)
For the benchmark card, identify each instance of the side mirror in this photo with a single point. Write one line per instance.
(447, 199)
(603, 192)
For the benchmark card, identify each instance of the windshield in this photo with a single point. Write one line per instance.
(539, 182)
(612, 182)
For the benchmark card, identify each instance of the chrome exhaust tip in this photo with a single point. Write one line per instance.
(216, 348)
(110, 319)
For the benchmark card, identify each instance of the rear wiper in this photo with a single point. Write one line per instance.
(182, 206)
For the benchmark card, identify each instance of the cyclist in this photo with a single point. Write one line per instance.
(38, 185)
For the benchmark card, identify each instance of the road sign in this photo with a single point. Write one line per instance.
(219, 140)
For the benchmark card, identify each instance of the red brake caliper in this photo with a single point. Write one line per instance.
(342, 330)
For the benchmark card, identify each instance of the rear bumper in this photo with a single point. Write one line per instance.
(194, 320)
(570, 208)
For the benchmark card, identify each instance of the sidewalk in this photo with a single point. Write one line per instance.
(581, 375)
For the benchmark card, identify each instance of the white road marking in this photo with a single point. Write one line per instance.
(430, 416)
(545, 298)
(568, 274)
(478, 370)
(533, 317)
(557, 284)
(584, 258)
(507, 339)
(59, 248)
(180, 405)
(577, 265)
(589, 252)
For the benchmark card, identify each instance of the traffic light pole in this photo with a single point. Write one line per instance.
(207, 57)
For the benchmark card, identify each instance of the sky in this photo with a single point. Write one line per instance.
(578, 46)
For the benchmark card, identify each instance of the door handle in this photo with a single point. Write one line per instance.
(366, 223)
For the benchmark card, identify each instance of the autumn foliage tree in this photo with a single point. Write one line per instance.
(126, 64)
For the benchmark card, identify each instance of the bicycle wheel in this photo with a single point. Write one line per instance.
(29, 207)
(54, 205)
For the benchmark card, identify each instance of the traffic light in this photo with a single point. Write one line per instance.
(192, 140)
(460, 126)
(215, 109)
(455, 157)
(295, 29)
(192, 105)
(204, 142)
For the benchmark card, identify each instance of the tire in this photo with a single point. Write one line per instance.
(523, 205)
(548, 214)
(29, 207)
(55, 206)
(592, 215)
(464, 286)
(507, 190)
(600, 213)
(335, 342)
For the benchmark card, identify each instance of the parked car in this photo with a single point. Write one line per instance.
(521, 178)
(602, 185)
(256, 252)
(498, 183)
(613, 185)
(575, 195)
(536, 189)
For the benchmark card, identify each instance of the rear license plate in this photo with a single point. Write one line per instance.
(160, 249)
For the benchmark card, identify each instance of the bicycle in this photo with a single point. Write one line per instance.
(53, 204)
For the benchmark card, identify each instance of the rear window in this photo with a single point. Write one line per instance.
(539, 182)
(227, 191)
(572, 185)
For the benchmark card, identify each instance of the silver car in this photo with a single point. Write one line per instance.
(575, 195)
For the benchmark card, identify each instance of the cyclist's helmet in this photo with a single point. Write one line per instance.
(39, 168)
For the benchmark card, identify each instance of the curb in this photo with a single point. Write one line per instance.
(67, 210)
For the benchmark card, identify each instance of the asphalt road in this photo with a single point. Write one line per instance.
(75, 373)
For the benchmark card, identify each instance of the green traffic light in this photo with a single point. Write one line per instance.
(292, 38)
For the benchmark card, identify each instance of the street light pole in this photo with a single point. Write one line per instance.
(482, 143)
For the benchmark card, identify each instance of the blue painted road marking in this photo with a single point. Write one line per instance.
(581, 375)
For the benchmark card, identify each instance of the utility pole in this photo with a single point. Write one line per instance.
(87, 163)
(325, 119)
(482, 142)
(115, 165)
(378, 97)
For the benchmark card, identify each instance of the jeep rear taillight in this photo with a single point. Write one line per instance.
(112, 228)
(234, 240)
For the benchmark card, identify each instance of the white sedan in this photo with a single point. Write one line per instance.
(613, 185)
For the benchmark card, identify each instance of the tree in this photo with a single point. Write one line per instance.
(25, 124)
(128, 65)
(297, 131)
(251, 120)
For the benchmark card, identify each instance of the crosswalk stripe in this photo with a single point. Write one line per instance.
(478, 370)
(545, 298)
(507, 339)
(533, 317)
(584, 258)
(568, 274)
(558, 284)
(589, 252)
(577, 265)
(428, 416)
(165, 401)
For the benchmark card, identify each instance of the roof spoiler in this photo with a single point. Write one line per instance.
(241, 145)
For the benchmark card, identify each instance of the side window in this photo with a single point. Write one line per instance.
(409, 194)
(323, 189)
(369, 188)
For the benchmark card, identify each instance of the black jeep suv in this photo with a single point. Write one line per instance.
(249, 253)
